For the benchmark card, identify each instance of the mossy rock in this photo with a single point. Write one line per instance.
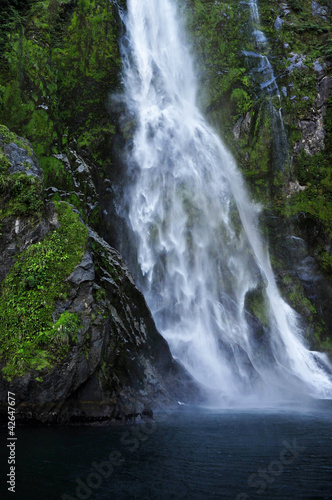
(256, 311)
(36, 281)
(256, 304)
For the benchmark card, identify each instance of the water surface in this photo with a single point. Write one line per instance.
(185, 454)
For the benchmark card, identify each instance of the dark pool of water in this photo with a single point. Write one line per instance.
(186, 454)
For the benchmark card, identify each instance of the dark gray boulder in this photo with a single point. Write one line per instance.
(21, 161)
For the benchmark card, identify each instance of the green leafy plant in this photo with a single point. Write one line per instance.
(242, 100)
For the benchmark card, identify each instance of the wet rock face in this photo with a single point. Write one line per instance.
(303, 285)
(318, 10)
(19, 233)
(313, 132)
(21, 161)
(84, 272)
(242, 126)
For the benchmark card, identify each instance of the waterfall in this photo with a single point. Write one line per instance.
(202, 265)
(263, 75)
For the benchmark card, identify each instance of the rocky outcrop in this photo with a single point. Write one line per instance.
(119, 369)
(294, 187)
(319, 10)
(241, 127)
(116, 366)
(21, 161)
(313, 132)
(18, 233)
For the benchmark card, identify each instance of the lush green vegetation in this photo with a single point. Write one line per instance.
(220, 35)
(218, 31)
(314, 172)
(29, 338)
(60, 60)
(20, 194)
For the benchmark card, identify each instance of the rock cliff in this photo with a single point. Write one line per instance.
(78, 343)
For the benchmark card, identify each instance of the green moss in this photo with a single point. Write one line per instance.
(325, 259)
(325, 345)
(314, 172)
(40, 131)
(100, 295)
(94, 218)
(323, 342)
(8, 137)
(218, 33)
(294, 293)
(55, 174)
(20, 195)
(4, 163)
(256, 305)
(242, 99)
(65, 330)
(73, 199)
(15, 111)
(29, 293)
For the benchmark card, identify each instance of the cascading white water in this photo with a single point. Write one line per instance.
(262, 73)
(260, 38)
(198, 246)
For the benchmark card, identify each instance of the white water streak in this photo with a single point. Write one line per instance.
(262, 73)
